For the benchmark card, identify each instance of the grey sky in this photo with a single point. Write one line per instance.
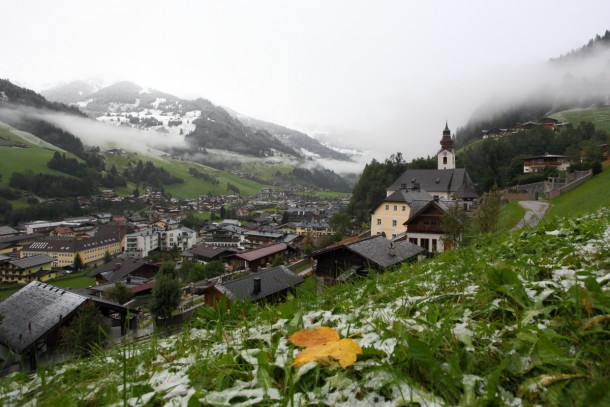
(384, 75)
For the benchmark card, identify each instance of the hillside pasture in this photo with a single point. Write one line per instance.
(599, 116)
(15, 159)
(587, 198)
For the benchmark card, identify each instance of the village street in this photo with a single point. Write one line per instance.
(535, 210)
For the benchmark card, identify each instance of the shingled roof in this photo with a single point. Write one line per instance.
(262, 252)
(32, 261)
(272, 281)
(33, 311)
(376, 250)
(455, 182)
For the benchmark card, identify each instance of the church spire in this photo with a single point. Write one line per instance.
(447, 141)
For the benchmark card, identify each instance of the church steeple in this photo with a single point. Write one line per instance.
(446, 157)
(447, 141)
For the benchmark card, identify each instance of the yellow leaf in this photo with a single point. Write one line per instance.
(311, 337)
(323, 345)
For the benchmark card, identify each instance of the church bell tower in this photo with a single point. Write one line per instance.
(446, 157)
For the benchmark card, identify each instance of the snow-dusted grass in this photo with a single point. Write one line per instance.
(521, 321)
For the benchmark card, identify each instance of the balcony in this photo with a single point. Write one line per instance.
(421, 228)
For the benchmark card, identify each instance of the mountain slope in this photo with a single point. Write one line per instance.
(301, 142)
(202, 124)
(579, 79)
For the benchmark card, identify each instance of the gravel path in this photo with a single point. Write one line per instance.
(534, 211)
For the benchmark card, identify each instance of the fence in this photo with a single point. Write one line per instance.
(567, 188)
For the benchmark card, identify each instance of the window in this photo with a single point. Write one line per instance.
(379, 221)
(395, 207)
(444, 160)
(393, 235)
(387, 207)
(393, 223)
(404, 208)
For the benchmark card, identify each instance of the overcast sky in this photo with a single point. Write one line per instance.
(380, 75)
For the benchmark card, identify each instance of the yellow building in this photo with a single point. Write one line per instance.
(313, 229)
(64, 250)
(389, 216)
(28, 269)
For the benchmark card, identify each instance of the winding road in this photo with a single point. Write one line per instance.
(534, 211)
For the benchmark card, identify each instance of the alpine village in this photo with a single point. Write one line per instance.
(193, 273)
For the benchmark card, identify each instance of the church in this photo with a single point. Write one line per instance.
(417, 187)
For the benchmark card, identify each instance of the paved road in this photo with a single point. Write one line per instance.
(534, 211)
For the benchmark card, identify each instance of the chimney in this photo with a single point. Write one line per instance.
(257, 285)
(391, 250)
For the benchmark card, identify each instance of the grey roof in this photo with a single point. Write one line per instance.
(258, 233)
(210, 252)
(442, 181)
(32, 261)
(7, 230)
(273, 280)
(33, 311)
(262, 252)
(376, 249)
(20, 238)
(117, 270)
(416, 210)
(409, 196)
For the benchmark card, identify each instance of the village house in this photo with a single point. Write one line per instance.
(122, 269)
(269, 285)
(34, 315)
(314, 229)
(259, 258)
(253, 239)
(389, 216)
(27, 269)
(181, 238)
(424, 227)
(205, 253)
(342, 260)
(139, 245)
(537, 163)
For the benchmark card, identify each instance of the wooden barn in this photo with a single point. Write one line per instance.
(338, 262)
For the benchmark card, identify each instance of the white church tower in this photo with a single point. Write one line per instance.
(446, 157)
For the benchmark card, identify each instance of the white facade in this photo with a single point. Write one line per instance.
(432, 242)
(139, 245)
(182, 238)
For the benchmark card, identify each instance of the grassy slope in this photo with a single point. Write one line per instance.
(587, 198)
(600, 116)
(21, 159)
(510, 215)
(520, 320)
(192, 187)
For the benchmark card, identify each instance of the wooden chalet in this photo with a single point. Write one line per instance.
(270, 285)
(34, 315)
(425, 225)
(338, 262)
(259, 258)
(120, 269)
(205, 253)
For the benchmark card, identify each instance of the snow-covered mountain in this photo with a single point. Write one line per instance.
(199, 121)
